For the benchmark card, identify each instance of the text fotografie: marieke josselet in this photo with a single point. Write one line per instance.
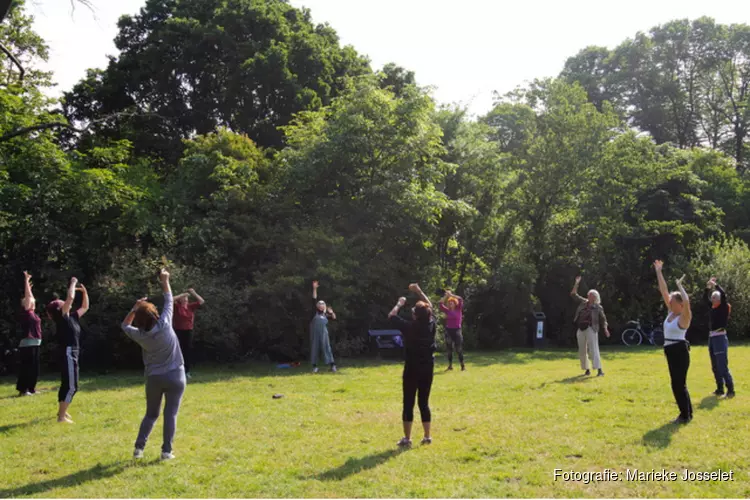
(642, 475)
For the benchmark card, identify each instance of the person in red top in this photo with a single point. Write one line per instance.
(182, 322)
(31, 325)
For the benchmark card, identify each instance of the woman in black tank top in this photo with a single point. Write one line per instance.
(419, 346)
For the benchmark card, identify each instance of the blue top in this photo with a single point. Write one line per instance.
(161, 349)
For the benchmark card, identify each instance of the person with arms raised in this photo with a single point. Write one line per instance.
(453, 306)
(164, 366)
(183, 323)
(68, 327)
(419, 363)
(589, 320)
(676, 346)
(718, 343)
(31, 327)
(320, 343)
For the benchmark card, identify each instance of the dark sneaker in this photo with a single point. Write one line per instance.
(681, 420)
(426, 440)
(450, 368)
(718, 392)
(588, 372)
(463, 368)
(600, 374)
(729, 395)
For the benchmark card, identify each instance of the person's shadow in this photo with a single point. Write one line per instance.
(709, 402)
(575, 380)
(10, 427)
(357, 465)
(661, 437)
(95, 473)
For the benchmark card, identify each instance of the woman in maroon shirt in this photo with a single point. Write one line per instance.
(31, 325)
(182, 322)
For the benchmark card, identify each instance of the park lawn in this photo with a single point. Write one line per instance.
(500, 430)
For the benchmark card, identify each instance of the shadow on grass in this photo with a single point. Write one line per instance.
(529, 355)
(206, 374)
(661, 437)
(10, 427)
(213, 373)
(709, 403)
(95, 473)
(575, 380)
(357, 465)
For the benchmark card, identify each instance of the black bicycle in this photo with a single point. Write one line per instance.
(635, 334)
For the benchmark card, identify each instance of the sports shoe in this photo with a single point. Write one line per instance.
(450, 368)
(718, 392)
(681, 421)
(600, 374)
(729, 395)
(138, 453)
(463, 367)
(404, 443)
(315, 370)
(588, 372)
(166, 455)
(426, 440)
(333, 368)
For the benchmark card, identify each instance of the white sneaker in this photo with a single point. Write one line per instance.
(333, 369)
(166, 456)
(138, 453)
(315, 370)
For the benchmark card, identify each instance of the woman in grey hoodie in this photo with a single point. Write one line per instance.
(164, 366)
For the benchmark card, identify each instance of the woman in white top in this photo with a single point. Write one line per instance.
(676, 347)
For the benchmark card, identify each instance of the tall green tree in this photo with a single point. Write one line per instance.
(188, 67)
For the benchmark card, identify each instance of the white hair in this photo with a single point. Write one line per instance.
(597, 297)
(716, 296)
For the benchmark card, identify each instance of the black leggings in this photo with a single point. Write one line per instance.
(185, 337)
(417, 380)
(28, 371)
(678, 359)
(454, 339)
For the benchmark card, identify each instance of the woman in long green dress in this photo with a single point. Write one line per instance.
(319, 340)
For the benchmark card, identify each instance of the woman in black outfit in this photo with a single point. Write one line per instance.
(68, 326)
(419, 344)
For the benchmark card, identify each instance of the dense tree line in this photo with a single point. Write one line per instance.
(243, 144)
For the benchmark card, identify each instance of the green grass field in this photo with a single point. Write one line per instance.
(500, 429)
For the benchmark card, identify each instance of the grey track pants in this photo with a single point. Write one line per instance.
(171, 385)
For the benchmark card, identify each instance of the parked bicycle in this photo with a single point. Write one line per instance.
(636, 334)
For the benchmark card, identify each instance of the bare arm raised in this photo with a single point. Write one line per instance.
(414, 287)
(28, 297)
(71, 296)
(663, 289)
(687, 313)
